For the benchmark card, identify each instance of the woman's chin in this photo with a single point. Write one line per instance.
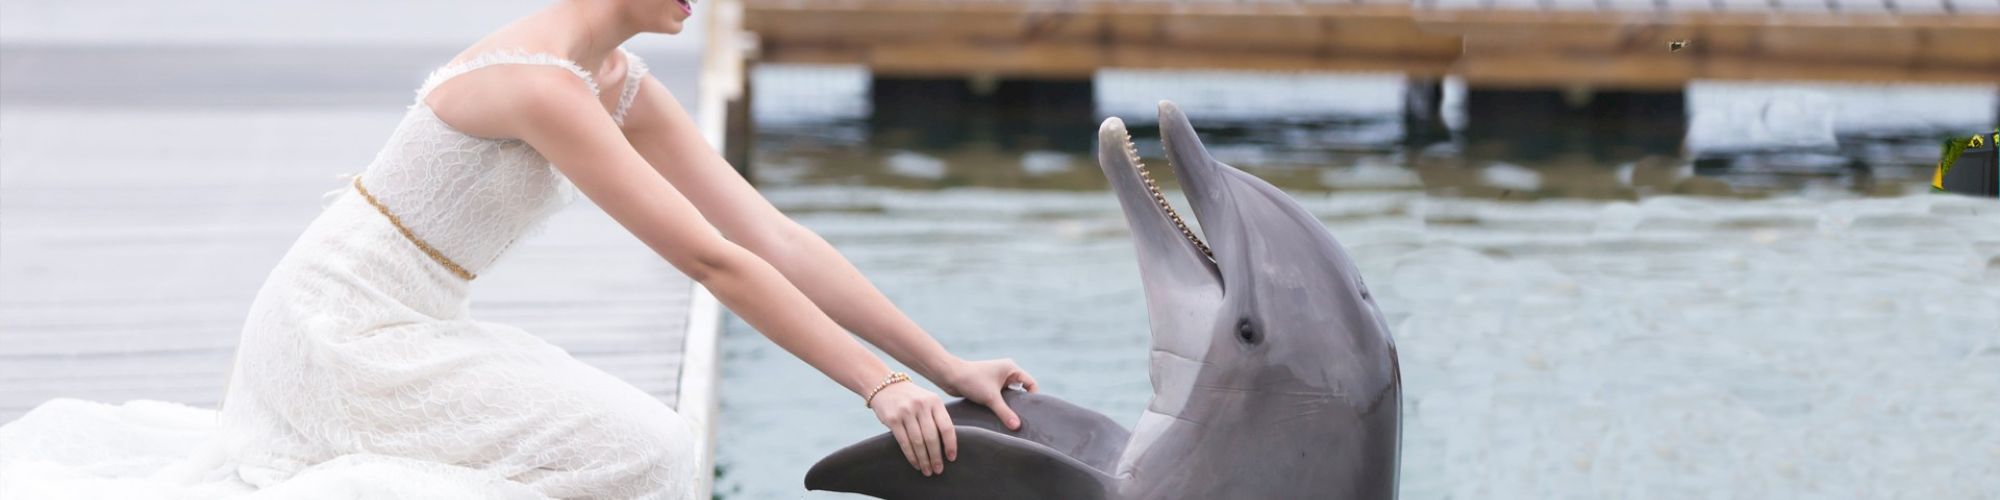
(671, 27)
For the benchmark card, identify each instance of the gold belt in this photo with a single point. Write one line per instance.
(426, 247)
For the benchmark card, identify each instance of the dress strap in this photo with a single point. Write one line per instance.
(508, 55)
(635, 73)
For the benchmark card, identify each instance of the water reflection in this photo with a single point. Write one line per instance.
(1334, 154)
(1348, 133)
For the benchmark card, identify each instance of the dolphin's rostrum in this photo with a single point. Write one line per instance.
(1274, 374)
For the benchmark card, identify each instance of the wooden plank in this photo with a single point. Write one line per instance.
(987, 37)
(1386, 37)
(853, 25)
(1961, 47)
(1449, 22)
(759, 10)
(1149, 57)
(847, 27)
(1047, 60)
(1532, 70)
(1279, 32)
(1596, 39)
(946, 60)
(1881, 44)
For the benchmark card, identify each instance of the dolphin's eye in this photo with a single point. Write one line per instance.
(1247, 333)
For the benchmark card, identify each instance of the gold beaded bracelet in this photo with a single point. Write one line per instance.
(894, 377)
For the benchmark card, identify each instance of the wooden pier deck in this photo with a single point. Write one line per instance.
(1513, 43)
(139, 215)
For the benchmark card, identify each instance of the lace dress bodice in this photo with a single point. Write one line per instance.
(472, 197)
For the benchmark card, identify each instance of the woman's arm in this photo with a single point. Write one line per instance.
(563, 121)
(667, 137)
(664, 134)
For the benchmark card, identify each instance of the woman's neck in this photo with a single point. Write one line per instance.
(584, 31)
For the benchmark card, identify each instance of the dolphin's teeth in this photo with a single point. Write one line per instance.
(1132, 154)
(1161, 199)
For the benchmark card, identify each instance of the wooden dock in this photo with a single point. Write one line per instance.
(1616, 44)
(139, 216)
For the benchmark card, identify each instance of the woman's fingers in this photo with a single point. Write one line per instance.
(918, 443)
(933, 443)
(1006, 414)
(903, 439)
(948, 432)
(922, 427)
(1027, 382)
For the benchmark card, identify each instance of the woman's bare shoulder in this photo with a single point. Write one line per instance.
(654, 108)
(496, 100)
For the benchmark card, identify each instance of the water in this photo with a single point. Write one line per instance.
(1573, 327)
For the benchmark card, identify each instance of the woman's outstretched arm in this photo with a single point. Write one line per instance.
(562, 120)
(662, 132)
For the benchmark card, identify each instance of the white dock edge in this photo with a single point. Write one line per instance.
(721, 81)
(699, 373)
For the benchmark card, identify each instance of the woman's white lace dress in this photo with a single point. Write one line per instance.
(359, 362)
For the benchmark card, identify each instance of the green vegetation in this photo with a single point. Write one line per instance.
(1954, 147)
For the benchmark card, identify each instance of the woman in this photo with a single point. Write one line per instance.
(359, 342)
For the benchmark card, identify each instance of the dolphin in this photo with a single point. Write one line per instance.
(1274, 374)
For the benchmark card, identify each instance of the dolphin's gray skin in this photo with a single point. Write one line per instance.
(1274, 374)
(1063, 454)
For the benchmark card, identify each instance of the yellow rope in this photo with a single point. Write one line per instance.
(439, 257)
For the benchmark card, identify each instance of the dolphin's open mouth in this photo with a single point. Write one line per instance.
(1163, 236)
(1152, 188)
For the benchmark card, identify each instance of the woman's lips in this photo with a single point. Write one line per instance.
(686, 8)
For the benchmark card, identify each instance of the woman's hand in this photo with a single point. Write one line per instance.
(981, 382)
(922, 427)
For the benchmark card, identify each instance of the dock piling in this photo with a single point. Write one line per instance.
(1423, 112)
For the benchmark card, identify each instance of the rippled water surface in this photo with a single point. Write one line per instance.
(1668, 348)
(1578, 327)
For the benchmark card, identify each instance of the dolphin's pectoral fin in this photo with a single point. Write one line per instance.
(1062, 451)
(990, 465)
(1075, 431)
